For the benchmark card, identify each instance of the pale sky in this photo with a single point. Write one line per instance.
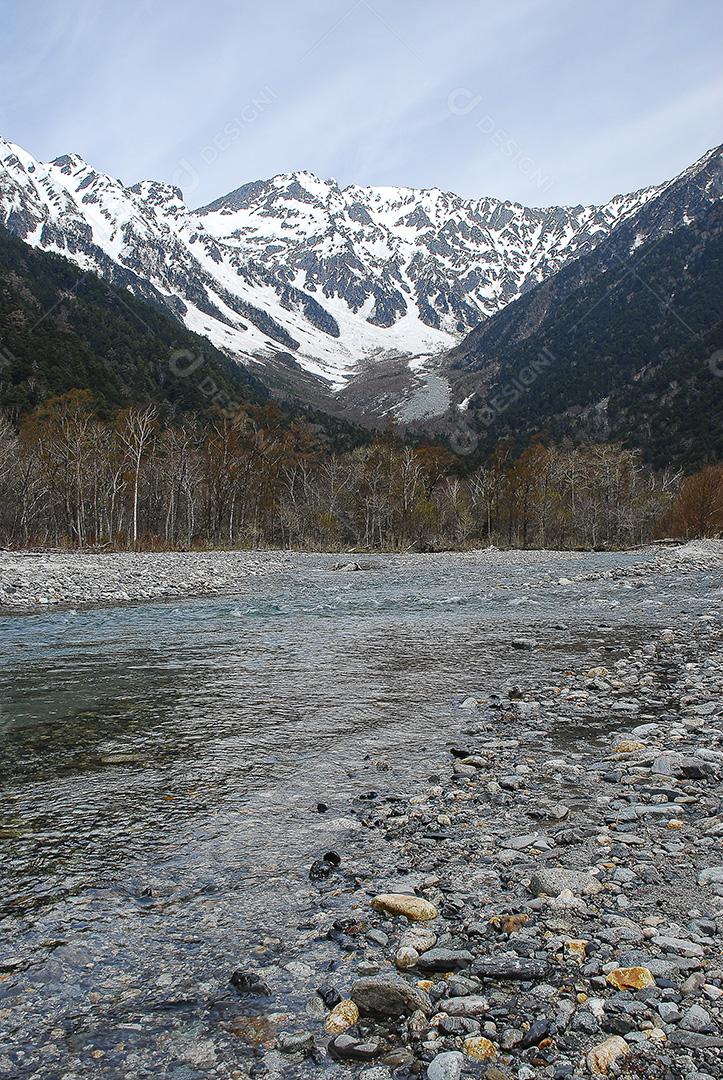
(539, 101)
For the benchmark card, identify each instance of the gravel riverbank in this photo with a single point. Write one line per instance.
(527, 885)
(558, 900)
(30, 579)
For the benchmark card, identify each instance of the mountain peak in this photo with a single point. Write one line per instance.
(337, 278)
(159, 194)
(70, 163)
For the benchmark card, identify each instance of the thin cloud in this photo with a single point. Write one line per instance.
(597, 99)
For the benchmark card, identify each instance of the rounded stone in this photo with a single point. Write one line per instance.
(605, 1054)
(413, 907)
(447, 1066)
(479, 1048)
(342, 1016)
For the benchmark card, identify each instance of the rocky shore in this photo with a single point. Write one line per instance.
(557, 902)
(38, 579)
(31, 579)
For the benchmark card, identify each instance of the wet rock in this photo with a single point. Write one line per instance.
(537, 1031)
(514, 968)
(346, 1048)
(325, 866)
(406, 957)
(389, 995)
(344, 1015)
(254, 1030)
(329, 995)
(250, 982)
(445, 960)
(295, 1042)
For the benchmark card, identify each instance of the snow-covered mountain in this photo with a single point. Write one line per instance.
(324, 286)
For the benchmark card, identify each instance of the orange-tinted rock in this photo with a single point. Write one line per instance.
(415, 909)
(629, 746)
(508, 924)
(634, 978)
(479, 1048)
(342, 1016)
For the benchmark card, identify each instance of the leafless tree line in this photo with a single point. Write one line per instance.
(70, 478)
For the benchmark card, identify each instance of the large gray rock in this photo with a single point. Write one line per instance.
(389, 995)
(711, 875)
(471, 1005)
(697, 1018)
(682, 767)
(445, 960)
(553, 880)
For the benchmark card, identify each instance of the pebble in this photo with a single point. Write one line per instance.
(603, 1056)
(344, 1015)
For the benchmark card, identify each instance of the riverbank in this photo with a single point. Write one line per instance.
(577, 892)
(205, 800)
(557, 905)
(31, 580)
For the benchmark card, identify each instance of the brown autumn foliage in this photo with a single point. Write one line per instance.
(252, 478)
(698, 509)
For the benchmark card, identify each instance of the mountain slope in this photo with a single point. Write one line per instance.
(620, 343)
(61, 330)
(316, 283)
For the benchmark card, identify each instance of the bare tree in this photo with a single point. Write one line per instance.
(135, 430)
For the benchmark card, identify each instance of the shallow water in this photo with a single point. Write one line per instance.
(162, 763)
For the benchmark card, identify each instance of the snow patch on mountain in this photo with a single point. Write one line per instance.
(337, 278)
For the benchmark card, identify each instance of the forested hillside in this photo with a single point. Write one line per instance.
(62, 329)
(612, 347)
